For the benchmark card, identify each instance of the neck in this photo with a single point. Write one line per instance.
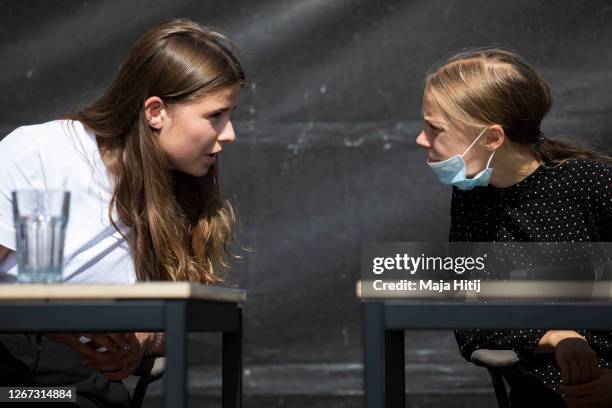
(511, 167)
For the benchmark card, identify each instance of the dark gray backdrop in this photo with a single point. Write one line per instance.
(325, 156)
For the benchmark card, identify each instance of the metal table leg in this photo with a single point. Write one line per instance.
(373, 337)
(395, 386)
(175, 376)
(232, 366)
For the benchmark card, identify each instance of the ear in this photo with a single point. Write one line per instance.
(155, 111)
(494, 137)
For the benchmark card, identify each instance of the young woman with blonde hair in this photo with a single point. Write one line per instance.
(483, 111)
(141, 163)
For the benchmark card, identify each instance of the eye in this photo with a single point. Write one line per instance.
(215, 116)
(435, 128)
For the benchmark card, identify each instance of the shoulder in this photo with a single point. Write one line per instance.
(590, 177)
(585, 169)
(57, 139)
(32, 154)
(53, 132)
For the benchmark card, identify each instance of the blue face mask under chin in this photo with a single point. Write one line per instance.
(453, 171)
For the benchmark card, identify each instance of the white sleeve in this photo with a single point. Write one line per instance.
(20, 168)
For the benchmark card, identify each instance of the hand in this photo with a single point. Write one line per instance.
(120, 367)
(123, 355)
(113, 342)
(577, 360)
(595, 394)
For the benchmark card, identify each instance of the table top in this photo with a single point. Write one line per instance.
(141, 290)
(519, 290)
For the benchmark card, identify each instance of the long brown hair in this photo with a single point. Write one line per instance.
(482, 87)
(180, 224)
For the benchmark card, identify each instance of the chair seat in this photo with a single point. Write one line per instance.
(494, 358)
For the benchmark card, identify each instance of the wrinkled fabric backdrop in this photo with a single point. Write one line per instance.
(325, 156)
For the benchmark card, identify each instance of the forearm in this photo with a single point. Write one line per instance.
(551, 338)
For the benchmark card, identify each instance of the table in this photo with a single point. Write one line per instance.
(384, 322)
(173, 307)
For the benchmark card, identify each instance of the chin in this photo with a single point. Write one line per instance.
(201, 172)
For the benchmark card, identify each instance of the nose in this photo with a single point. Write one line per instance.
(227, 134)
(423, 141)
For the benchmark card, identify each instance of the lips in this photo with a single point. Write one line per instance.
(210, 159)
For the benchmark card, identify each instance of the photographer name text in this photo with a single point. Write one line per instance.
(428, 285)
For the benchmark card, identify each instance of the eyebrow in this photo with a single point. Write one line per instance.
(225, 109)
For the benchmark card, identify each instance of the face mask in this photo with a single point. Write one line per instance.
(453, 171)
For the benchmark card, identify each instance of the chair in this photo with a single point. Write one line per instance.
(496, 362)
(150, 370)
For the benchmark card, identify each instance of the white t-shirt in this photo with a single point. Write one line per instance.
(62, 154)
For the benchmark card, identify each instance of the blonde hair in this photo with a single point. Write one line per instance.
(483, 87)
(180, 224)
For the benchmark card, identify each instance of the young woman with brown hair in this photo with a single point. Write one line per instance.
(141, 163)
(483, 111)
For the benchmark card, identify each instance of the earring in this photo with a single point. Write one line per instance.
(154, 123)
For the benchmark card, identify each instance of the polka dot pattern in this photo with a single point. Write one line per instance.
(568, 203)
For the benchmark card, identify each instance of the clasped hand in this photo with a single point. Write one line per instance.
(122, 356)
(577, 361)
(584, 384)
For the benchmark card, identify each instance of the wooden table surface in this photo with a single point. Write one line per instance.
(143, 290)
(520, 290)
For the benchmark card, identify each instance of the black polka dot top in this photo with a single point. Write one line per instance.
(568, 203)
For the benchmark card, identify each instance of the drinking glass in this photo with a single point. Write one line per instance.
(40, 226)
